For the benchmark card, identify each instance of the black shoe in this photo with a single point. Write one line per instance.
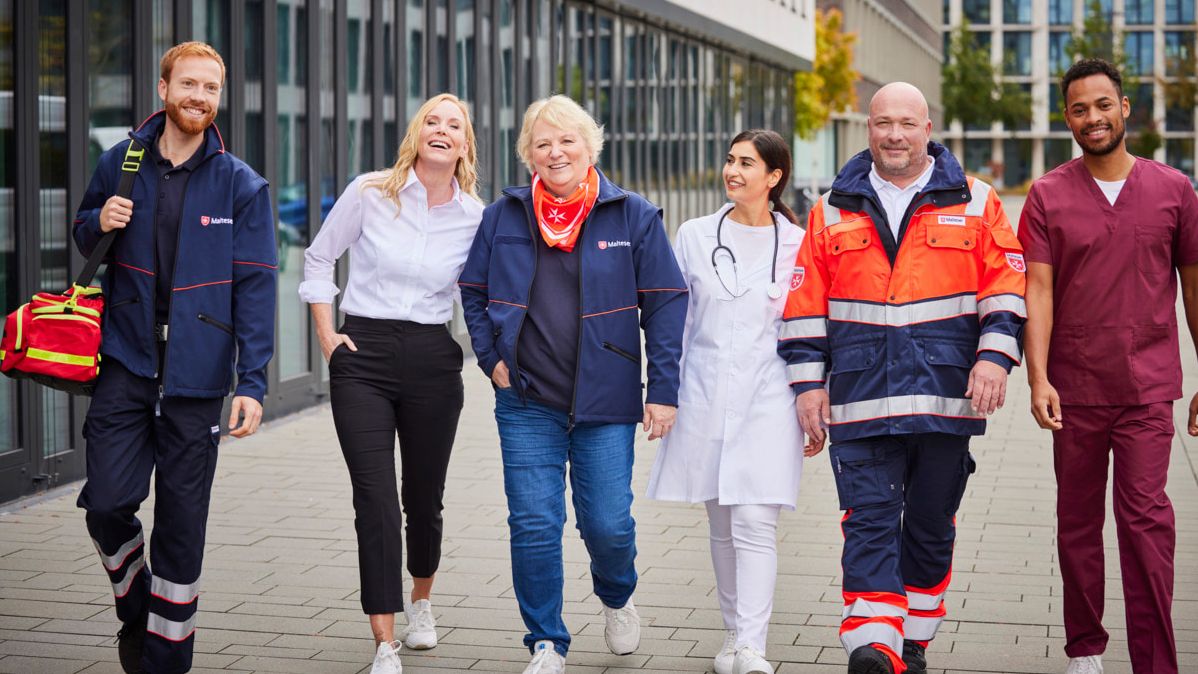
(869, 660)
(915, 658)
(130, 642)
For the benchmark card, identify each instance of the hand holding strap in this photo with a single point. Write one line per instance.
(133, 157)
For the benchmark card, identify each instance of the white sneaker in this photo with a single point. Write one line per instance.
(545, 659)
(386, 659)
(751, 661)
(1087, 664)
(727, 655)
(623, 629)
(421, 633)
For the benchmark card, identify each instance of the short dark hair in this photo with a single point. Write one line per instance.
(1087, 67)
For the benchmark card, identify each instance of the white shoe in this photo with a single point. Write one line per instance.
(751, 661)
(545, 659)
(623, 629)
(386, 659)
(1087, 664)
(727, 655)
(421, 633)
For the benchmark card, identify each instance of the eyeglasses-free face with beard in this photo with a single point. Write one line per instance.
(1096, 114)
(192, 96)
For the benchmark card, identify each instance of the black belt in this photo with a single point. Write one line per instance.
(161, 330)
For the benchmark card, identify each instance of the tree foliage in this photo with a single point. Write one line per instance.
(830, 87)
(971, 88)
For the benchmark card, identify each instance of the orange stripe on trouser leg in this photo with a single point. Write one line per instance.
(854, 623)
(877, 597)
(887, 631)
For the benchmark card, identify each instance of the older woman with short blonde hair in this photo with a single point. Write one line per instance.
(562, 277)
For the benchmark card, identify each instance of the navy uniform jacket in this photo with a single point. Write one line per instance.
(222, 306)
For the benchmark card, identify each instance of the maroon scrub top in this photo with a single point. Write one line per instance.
(1114, 333)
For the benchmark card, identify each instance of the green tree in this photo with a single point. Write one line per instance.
(972, 90)
(830, 86)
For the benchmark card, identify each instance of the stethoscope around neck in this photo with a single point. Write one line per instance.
(773, 290)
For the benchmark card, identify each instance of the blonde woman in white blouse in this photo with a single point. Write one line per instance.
(394, 369)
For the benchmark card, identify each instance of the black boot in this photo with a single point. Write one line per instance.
(131, 641)
(869, 660)
(915, 658)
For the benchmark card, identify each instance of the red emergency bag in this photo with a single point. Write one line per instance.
(54, 339)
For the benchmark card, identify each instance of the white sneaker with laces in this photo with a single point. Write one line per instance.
(421, 633)
(725, 658)
(623, 629)
(386, 659)
(751, 661)
(1087, 664)
(545, 659)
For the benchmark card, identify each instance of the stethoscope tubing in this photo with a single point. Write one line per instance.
(719, 245)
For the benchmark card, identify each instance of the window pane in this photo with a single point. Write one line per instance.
(1057, 151)
(390, 102)
(464, 50)
(1138, 12)
(1017, 161)
(1140, 98)
(1058, 53)
(1017, 48)
(254, 152)
(415, 24)
(8, 238)
(977, 156)
(1179, 12)
(359, 93)
(439, 81)
(1060, 12)
(1179, 153)
(292, 193)
(508, 170)
(1139, 49)
(1179, 49)
(110, 62)
(977, 11)
(1056, 108)
(1017, 11)
(211, 19)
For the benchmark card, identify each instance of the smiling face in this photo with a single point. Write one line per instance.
(192, 96)
(559, 157)
(747, 179)
(1096, 114)
(899, 131)
(443, 136)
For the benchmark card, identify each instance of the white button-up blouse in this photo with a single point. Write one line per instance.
(403, 267)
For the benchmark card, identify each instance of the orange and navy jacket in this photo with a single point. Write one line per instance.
(893, 328)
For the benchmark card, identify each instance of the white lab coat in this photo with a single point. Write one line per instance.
(737, 437)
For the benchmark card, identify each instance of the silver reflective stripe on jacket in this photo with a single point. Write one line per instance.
(902, 406)
(831, 213)
(804, 328)
(978, 196)
(898, 315)
(1004, 344)
(806, 372)
(1011, 303)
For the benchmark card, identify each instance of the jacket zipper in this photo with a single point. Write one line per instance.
(578, 348)
(514, 377)
(215, 323)
(132, 300)
(621, 352)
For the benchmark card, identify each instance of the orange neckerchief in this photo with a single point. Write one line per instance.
(561, 219)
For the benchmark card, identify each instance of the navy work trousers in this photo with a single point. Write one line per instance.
(900, 495)
(130, 434)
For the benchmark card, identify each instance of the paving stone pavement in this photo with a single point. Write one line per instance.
(280, 577)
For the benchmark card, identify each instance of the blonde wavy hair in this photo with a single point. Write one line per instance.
(561, 112)
(391, 181)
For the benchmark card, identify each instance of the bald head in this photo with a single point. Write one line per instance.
(899, 131)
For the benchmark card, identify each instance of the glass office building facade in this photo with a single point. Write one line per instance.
(319, 91)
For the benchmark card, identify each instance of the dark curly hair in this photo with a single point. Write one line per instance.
(1087, 67)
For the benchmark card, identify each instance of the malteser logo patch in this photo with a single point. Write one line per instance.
(1015, 261)
(604, 245)
(796, 279)
(208, 220)
(951, 220)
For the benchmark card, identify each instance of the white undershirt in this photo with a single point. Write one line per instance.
(751, 245)
(895, 200)
(1111, 188)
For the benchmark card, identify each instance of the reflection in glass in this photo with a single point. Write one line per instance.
(1019, 11)
(293, 190)
(464, 50)
(1179, 153)
(1060, 12)
(360, 54)
(1179, 12)
(415, 46)
(1179, 49)
(254, 151)
(390, 125)
(1017, 48)
(1138, 47)
(211, 19)
(439, 76)
(1137, 12)
(977, 11)
(508, 171)
(1017, 161)
(1057, 151)
(1059, 59)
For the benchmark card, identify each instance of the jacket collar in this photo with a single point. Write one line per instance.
(147, 134)
(947, 174)
(608, 191)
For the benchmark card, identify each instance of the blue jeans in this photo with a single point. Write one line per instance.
(536, 447)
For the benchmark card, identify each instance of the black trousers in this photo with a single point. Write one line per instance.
(126, 442)
(405, 379)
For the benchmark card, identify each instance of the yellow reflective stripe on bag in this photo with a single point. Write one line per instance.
(20, 327)
(64, 358)
(67, 317)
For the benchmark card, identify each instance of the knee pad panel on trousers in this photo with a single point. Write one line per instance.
(865, 475)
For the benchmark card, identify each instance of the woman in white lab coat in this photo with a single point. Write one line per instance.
(737, 446)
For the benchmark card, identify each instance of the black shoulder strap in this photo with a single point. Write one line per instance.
(133, 157)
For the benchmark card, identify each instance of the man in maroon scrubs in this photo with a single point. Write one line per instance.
(1102, 235)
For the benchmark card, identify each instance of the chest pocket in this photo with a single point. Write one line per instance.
(850, 241)
(952, 236)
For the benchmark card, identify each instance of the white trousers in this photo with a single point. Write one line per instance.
(744, 553)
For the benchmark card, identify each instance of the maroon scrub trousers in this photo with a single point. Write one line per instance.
(1114, 360)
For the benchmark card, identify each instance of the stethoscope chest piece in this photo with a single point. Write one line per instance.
(773, 291)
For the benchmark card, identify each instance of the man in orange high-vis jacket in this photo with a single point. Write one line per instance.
(904, 317)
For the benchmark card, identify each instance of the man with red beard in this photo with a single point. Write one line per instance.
(1103, 235)
(190, 286)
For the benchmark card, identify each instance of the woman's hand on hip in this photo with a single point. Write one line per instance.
(659, 419)
(331, 340)
(500, 375)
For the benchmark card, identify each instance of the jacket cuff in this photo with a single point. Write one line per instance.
(487, 364)
(250, 390)
(661, 395)
(805, 386)
(998, 359)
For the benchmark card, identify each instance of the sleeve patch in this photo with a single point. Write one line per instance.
(1015, 261)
